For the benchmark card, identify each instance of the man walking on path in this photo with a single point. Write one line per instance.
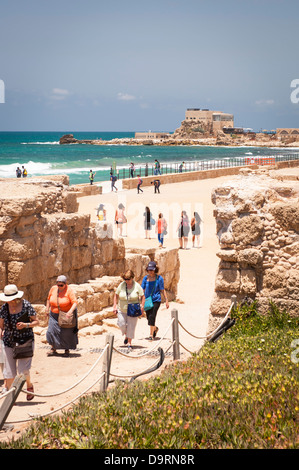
(91, 176)
(157, 184)
(139, 184)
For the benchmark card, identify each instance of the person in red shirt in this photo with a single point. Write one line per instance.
(161, 229)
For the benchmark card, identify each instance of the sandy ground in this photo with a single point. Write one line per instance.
(54, 375)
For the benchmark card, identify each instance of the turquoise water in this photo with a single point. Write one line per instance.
(41, 154)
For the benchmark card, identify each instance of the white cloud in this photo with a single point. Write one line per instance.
(59, 94)
(125, 97)
(264, 102)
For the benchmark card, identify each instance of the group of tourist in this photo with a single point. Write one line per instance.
(132, 301)
(21, 172)
(183, 228)
(18, 318)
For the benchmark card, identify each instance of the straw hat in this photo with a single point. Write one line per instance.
(11, 292)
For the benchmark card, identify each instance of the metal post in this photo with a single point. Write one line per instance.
(107, 363)
(175, 335)
(11, 398)
(234, 300)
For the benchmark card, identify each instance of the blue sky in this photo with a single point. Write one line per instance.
(128, 65)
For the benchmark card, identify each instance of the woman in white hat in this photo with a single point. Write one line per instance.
(13, 329)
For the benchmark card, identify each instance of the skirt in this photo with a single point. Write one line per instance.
(61, 338)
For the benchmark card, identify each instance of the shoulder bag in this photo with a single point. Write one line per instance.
(134, 310)
(64, 319)
(148, 304)
(20, 351)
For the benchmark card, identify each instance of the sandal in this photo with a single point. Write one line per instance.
(52, 352)
(29, 395)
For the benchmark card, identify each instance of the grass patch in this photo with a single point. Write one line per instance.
(240, 392)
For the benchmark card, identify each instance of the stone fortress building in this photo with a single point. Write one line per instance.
(214, 120)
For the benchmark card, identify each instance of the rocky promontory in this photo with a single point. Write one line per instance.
(184, 138)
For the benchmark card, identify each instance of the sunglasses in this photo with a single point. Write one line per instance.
(127, 278)
(60, 285)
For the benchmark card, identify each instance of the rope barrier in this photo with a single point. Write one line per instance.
(209, 335)
(213, 332)
(148, 351)
(72, 386)
(11, 390)
(142, 372)
(61, 407)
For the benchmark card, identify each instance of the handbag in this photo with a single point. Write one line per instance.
(133, 310)
(21, 351)
(148, 304)
(64, 319)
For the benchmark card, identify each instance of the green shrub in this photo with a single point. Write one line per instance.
(240, 392)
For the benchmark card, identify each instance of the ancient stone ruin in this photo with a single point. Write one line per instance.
(257, 220)
(42, 236)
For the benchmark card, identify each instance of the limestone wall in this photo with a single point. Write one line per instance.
(257, 223)
(42, 236)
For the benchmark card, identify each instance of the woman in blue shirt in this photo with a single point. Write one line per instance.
(153, 285)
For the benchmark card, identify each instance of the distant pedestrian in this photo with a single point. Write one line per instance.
(161, 227)
(113, 179)
(157, 184)
(157, 168)
(120, 218)
(91, 176)
(132, 170)
(101, 212)
(24, 172)
(195, 228)
(140, 181)
(183, 230)
(148, 222)
(181, 167)
(18, 172)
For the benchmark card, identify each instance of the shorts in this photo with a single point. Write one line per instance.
(152, 313)
(13, 366)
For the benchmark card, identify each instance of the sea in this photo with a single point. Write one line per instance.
(41, 154)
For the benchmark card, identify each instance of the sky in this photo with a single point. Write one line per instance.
(135, 65)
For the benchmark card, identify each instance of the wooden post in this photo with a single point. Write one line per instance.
(175, 335)
(10, 399)
(107, 358)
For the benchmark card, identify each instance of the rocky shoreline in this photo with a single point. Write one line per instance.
(261, 140)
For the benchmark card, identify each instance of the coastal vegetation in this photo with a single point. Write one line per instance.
(239, 392)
